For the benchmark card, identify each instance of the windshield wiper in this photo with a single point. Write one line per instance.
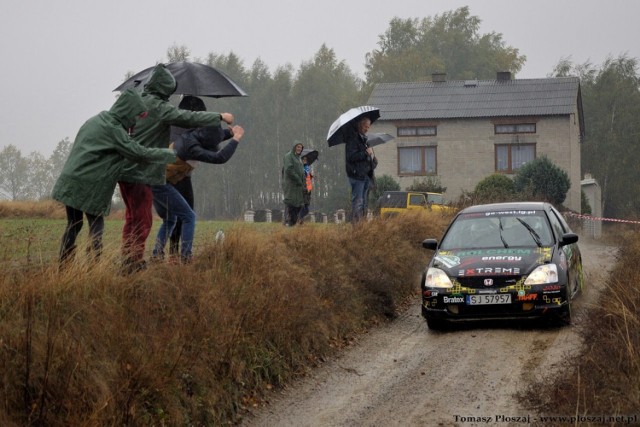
(501, 228)
(534, 235)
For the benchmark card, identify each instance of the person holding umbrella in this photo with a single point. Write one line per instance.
(351, 129)
(89, 175)
(135, 180)
(293, 184)
(360, 162)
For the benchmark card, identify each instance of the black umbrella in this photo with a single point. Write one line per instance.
(193, 79)
(334, 137)
(311, 155)
(374, 139)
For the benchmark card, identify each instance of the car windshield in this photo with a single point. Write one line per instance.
(498, 230)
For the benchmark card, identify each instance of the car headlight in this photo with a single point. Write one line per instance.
(547, 273)
(436, 278)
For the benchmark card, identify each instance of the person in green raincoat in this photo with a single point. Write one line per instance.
(96, 159)
(293, 184)
(136, 180)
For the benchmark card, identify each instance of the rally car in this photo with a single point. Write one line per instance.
(502, 261)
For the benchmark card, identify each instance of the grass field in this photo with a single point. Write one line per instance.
(34, 240)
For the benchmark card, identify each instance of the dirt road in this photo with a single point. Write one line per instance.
(404, 374)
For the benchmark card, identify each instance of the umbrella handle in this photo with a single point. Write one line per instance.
(373, 153)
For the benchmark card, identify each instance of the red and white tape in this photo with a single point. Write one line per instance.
(595, 218)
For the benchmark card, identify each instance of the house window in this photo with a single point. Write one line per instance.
(417, 131)
(417, 161)
(516, 128)
(510, 157)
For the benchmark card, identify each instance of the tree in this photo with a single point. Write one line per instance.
(178, 53)
(412, 49)
(544, 180)
(610, 149)
(39, 178)
(13, 173)
(59, 157)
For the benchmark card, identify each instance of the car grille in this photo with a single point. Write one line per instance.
(478, 282)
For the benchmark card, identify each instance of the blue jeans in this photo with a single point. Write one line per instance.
(359, 196)
(171, 206)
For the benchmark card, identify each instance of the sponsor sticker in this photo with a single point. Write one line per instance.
(448, 261)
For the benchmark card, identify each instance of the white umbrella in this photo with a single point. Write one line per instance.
(334, 137)
(378, 138)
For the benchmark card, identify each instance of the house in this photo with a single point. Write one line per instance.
(462, 131)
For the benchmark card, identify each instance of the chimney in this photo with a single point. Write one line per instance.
(439, 77)
(503, 76)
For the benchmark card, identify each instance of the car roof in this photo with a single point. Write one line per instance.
(493, 207)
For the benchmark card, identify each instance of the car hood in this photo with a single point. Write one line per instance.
(491, 261)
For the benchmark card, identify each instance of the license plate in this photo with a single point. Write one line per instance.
(488, 299)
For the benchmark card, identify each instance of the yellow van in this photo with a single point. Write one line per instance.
(395, 202)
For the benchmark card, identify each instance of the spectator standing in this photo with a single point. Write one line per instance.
(293, 184)
(194, 145)
(360, 162)
(135, 180)
(88, 178)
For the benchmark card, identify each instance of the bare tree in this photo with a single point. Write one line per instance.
(13, 173)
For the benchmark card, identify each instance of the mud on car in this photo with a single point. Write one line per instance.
(502, 261)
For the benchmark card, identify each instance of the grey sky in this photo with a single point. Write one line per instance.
(61, 60)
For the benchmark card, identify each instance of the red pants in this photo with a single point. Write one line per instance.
(138, 200)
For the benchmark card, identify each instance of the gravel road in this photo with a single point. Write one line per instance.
(403, 374)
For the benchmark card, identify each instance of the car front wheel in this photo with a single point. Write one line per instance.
(436, 324)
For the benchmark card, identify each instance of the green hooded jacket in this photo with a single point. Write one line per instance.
(155, 129)
(293, 179)
(89, 175)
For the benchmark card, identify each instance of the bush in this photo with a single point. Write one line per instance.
(429, 184)
(543, 180)
(494, 189)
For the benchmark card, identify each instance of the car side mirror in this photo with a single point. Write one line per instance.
(567, 239)
(430, 244)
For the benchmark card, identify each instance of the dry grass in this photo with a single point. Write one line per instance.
(605, 378)
(192, 345)
(31, 209)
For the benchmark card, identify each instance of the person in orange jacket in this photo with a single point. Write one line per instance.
(306, 190)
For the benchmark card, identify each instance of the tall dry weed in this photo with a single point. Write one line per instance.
(32, 209)
(192, 345)
(605, 378)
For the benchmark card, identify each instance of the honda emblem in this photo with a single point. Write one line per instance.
(488, 282)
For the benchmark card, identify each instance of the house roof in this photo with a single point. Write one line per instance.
(477, 98)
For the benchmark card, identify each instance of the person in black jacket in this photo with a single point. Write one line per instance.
(184, 185)
(360, 162)
(192, 146)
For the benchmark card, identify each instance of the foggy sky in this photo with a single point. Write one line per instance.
(62, 60)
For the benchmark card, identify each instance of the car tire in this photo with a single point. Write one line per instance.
(436, 324)
(564, 316)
